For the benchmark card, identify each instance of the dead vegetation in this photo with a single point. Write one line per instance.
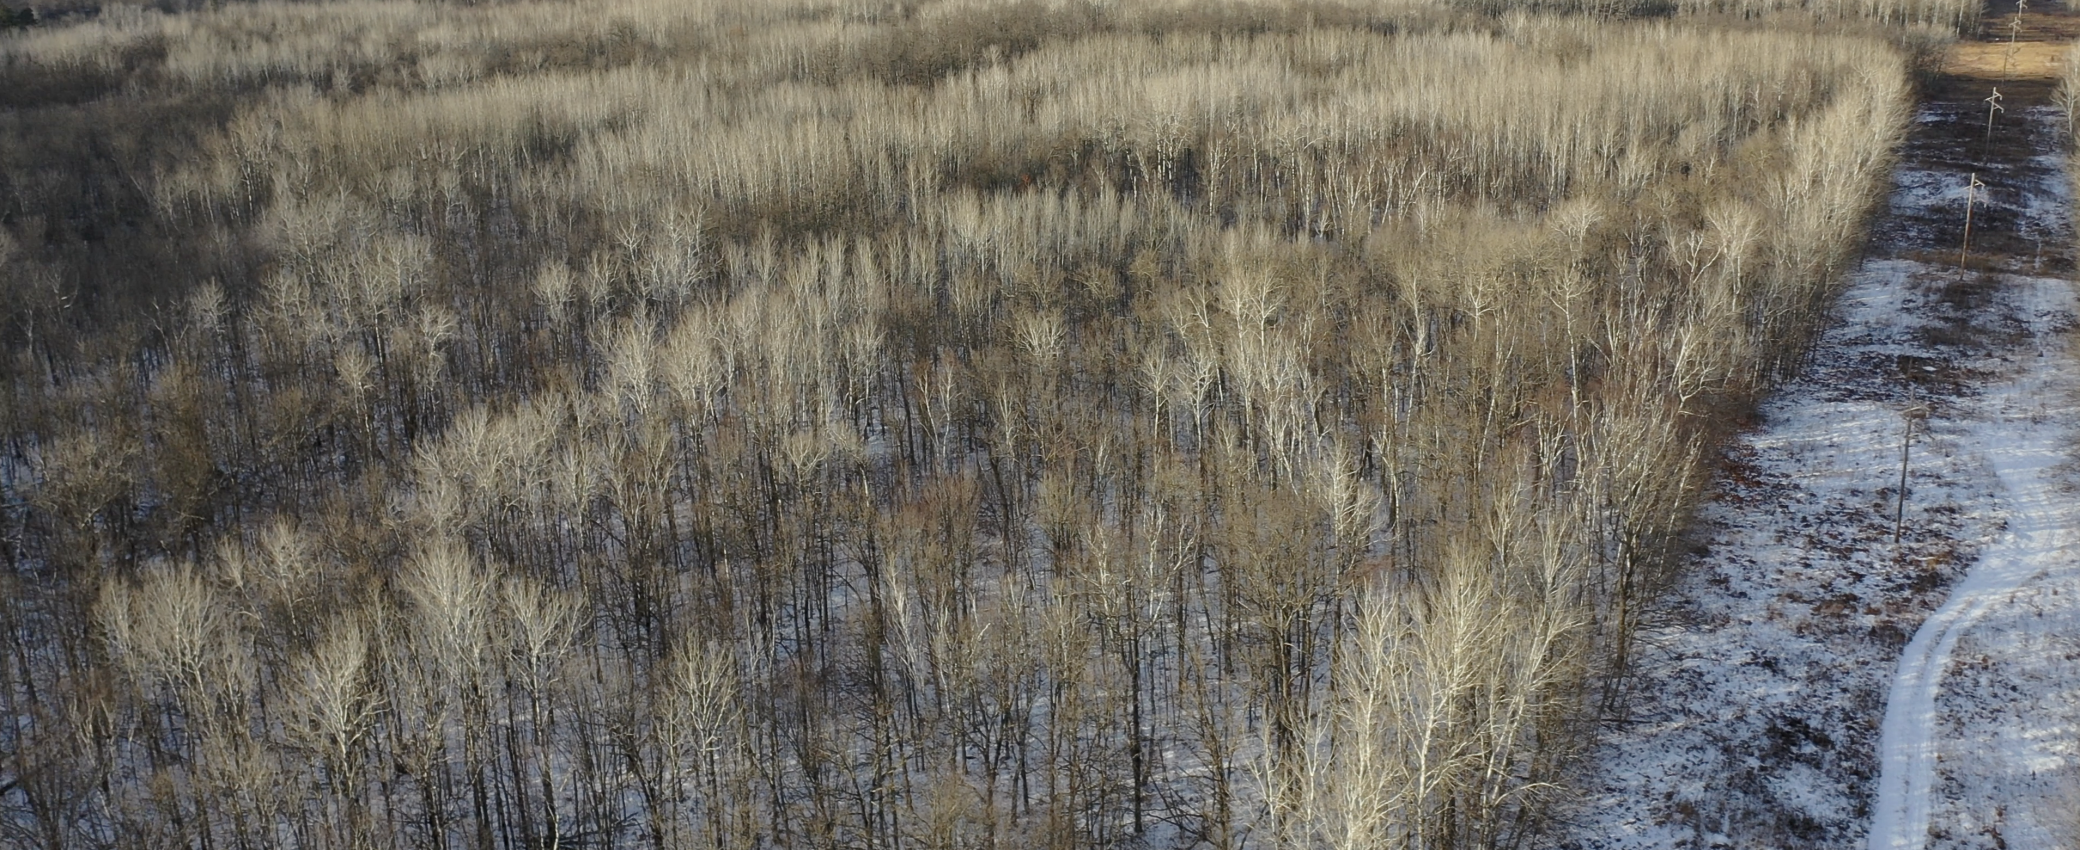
(872, 425)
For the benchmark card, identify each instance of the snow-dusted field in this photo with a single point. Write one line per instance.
(1985, 743)
(1774, 697)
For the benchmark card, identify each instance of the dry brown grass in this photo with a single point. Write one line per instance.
(1999, 61)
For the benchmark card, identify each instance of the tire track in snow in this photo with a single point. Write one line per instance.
(2024, 450)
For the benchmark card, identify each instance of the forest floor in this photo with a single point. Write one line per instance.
(1838, 667)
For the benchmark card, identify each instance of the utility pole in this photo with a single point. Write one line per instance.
(1971, 194)
(2014, 40)
(1916, 415)
(1993, 107)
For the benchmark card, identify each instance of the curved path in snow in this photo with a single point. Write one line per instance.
(2024, 447)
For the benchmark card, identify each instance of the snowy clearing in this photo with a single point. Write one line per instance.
(1756, 720)
(2024, 435)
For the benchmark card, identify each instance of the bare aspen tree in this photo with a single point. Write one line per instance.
(702, 724)
(452, 602)
(333, 709)
(543, 626)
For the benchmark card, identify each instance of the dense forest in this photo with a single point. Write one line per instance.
(871, 424)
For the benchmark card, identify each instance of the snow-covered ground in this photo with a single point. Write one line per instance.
(1762, 699)
(1982, 739)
